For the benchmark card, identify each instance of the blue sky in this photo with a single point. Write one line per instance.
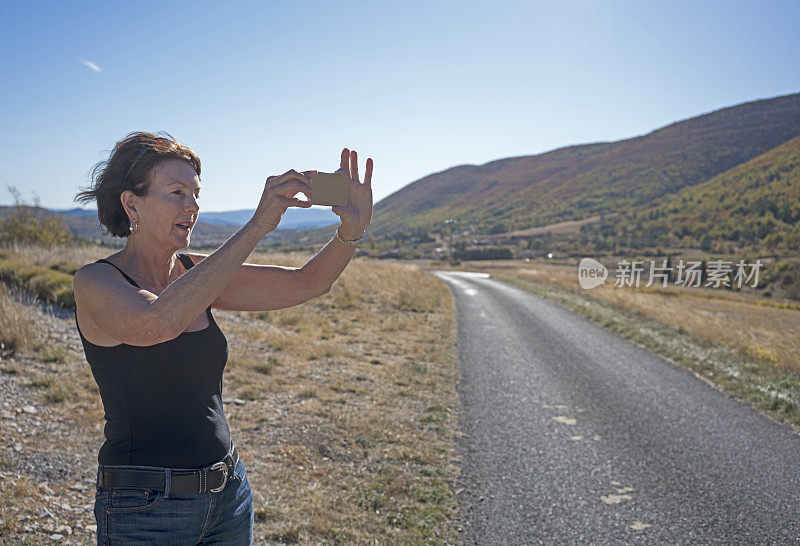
(258, 88)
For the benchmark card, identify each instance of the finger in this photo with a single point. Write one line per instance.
(354, 165)
(289, 177)
(294, 202)
(345, 162)
(283, 188)
(304, 178)
(368, 175)
(292, 187)
(292, 174)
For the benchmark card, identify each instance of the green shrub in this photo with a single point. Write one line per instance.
(47, 284)
(26, 225)
(65, 266)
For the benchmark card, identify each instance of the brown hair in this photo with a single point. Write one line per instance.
(129, 167)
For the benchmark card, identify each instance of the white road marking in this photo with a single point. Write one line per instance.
(615, 499)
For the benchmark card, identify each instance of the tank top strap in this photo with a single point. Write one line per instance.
(121, 271)
(186, 261)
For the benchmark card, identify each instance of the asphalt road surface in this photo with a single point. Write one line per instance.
(576, 435)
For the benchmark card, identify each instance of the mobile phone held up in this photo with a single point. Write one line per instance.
(329, 189)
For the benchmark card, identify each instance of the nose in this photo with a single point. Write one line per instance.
(191, 204)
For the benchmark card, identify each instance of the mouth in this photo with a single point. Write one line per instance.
(184, 227)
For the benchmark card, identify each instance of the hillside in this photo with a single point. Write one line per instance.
(756, 203)
(579, 181)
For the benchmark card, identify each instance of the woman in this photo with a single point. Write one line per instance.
(168, 471)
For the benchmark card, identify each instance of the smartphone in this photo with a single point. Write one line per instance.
(329, 189)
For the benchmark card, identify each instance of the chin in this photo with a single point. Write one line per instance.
(181, 242)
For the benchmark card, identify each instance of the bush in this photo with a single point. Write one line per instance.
(793, 289)
(65, 266)
(497, 228)
(24, 225)
(47, 284)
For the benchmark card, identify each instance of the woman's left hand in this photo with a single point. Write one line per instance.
(357, 213)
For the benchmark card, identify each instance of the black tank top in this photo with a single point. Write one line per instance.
(163, 403)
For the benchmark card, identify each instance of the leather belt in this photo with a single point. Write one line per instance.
(211, 479)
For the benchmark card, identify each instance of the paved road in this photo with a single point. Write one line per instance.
(575, 435)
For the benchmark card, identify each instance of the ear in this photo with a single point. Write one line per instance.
(129, 203)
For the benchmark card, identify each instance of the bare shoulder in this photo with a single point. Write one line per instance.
(97, 273)
(95, 280)
(90, 285)
(87, 275)
(110, 310)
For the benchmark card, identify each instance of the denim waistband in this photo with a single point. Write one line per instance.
(157, 468)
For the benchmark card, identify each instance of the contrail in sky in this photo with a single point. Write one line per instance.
(91, 65)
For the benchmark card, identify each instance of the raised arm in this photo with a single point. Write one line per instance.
(268, 287)
(139, 317)
(187, 297)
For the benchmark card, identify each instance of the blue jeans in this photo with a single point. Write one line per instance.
(127, 516)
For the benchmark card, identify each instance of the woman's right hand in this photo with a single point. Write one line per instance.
(278, 195)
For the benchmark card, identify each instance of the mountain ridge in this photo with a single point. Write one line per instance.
(292, 218)
(585, 179)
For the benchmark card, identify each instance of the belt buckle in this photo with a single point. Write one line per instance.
(220, 466)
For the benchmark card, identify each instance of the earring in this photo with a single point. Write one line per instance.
(134, 227)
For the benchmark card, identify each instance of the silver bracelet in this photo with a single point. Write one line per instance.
(347, 242)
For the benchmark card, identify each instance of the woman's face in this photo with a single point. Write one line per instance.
(172, 199)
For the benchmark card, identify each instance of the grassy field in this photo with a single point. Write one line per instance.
(746, 345)
(344, 408)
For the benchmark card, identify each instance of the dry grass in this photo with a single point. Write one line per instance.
(761, 332)
(16, 331)
(18, 496)
(48, 255)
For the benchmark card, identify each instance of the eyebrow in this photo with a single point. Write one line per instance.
(174, 182)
